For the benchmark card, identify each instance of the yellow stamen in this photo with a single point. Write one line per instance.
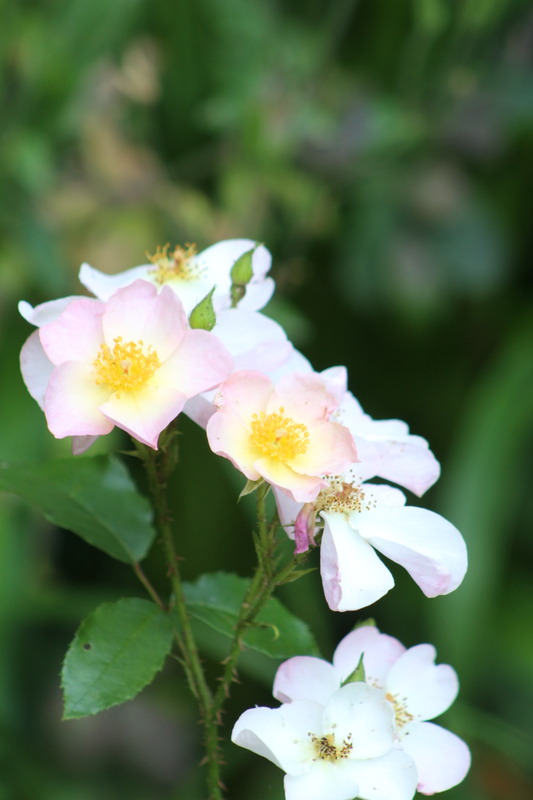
(342, 496)
(181, 263)
(327, 750)
(127, 367)
(401, 714)
(278, 436)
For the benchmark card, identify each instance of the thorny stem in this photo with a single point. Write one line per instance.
(158, 473)
(267, 576)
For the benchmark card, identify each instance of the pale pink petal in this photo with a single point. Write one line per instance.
(80, 444)
(288, 510)
(304, 397)
(380, 652)
(45, 312)
(201, 408)
(103, 285)
(336, 380)
(426, 689)
(303, 488)
(76, 335)
(139, 313)
(387, 449)
(36, 367)
(280, 734)
(146, 412)
(352, 574)
(330, 450)
(360, 714)
(295, 362)
(201, 362)
(255, 341)
(247, 392)
(305, 678)
(72, 401)
(442, 759)
(228, 437)
(391, 777)
(324, 781)
(429, 547)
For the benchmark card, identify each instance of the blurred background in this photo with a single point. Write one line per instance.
(383, 151)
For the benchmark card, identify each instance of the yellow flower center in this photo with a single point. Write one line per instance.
(278, 436)
(326, 749)
(180, 263)
(401, 714)
(342, 496)
(127, 367)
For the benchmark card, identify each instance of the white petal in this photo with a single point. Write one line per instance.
(103, 285)
(324, 781)
(428, 689)
(360, 715)
(305, 678)
(45, 312)
(36, 367)
(281, 734)
(442, 759)
(352, 574)
(146, 412)
(429, 547)
(391, 777)
(380, 652)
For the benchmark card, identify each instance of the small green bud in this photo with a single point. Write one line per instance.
(241, 274)
(358, 675)
(368, 622)
(203, 315)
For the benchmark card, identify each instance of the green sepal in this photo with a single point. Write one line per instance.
(358, 675)
(203, 314)
(116, 652)
(251, 486)
(369, 622)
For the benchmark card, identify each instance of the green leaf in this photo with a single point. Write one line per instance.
(93, 497)
(116, 652)
(216, 599)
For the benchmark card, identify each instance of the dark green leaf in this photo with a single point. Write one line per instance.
(116, 652)
(216, 600)
(93, 497)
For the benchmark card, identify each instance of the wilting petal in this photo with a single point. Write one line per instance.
(72, 401)
(36, 367)
(352, 574)
(428, 689)
(80, 444)
(305, 678)
(393, 776)
(442, 759)
(429, 547)
(380, 652)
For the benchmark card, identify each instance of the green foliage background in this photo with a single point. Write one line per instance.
(383, 151)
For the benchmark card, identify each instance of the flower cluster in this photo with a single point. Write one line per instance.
(136, 355)
(358, 727)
